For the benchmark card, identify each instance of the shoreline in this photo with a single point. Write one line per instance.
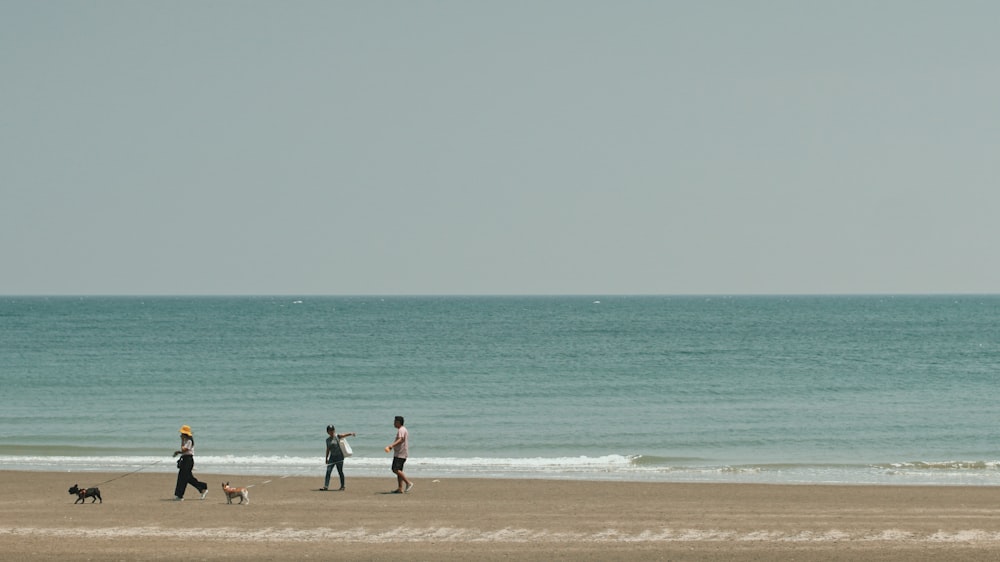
(492, 519)
(940, 473)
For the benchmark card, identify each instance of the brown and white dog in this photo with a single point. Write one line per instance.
(231, 493)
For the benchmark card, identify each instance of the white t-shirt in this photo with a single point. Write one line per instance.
(403, 437)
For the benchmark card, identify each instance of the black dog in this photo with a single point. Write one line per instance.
(84, 493)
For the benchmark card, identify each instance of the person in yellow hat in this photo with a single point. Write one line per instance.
(185, 466)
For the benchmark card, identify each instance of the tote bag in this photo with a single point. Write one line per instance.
(345, 447)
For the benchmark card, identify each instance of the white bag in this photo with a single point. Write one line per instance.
(345, 447)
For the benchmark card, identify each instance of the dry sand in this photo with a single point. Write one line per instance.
(466, 519)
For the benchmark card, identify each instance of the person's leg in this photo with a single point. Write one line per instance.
(404, 480)
(340, 471)
(184, 476)
(200, 486)
(401, 479)
(397, 466)
(326, 481)
(181, 483)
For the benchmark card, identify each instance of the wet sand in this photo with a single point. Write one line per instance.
(462, 519)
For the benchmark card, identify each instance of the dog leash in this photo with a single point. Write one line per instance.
(127, 474)
(294, 474)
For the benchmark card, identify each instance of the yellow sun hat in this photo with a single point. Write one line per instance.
(186, 430)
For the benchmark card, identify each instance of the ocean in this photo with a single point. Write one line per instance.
(771, 389)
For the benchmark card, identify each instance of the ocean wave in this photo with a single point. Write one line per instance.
(607, 467)
(941, 465)
(278, 464)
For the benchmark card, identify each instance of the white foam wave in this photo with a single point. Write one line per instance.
(944, 465)
(279, 464)
(607, 467)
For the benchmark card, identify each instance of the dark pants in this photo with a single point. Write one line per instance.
(184, 477)
(329, 470)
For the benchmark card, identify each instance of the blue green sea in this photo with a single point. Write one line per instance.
(797, 389)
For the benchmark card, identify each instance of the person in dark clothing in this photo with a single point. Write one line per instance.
(185, 466)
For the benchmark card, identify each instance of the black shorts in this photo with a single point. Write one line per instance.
(397, 463)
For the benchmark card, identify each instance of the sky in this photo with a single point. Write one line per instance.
(417, 147)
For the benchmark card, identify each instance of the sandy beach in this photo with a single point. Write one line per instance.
(461, 519)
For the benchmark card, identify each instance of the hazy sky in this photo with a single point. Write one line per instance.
(504, 147)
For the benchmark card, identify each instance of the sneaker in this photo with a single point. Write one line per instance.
(324, 488)
(178, 499)
(204, 493)
(409, 487)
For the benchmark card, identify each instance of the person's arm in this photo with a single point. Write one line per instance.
(399, 439)
(326, 459)
(342, 435)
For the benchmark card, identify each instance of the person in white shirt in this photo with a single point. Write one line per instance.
(400, 448)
